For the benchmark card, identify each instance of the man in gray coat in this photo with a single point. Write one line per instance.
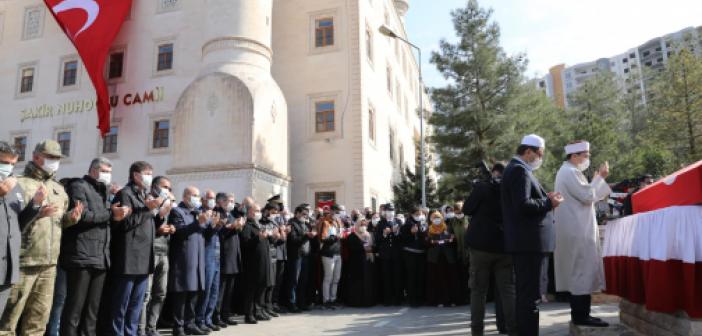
(13, 214)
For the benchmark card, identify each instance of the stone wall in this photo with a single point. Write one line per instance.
(651, 323)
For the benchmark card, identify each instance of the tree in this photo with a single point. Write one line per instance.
(676, 98)
(472, 112)
(407, 194)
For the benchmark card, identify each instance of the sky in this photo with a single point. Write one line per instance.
(552, 32)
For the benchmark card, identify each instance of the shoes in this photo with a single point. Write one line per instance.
(591, 322)
(272, 313)
(194, 330)
(204, 328)
(262, 317)
(152, 333)
(230, 321)
(250, 320)
(329, 306)
(293, 310)
(213, 326)
(305, 308)
(178, 332)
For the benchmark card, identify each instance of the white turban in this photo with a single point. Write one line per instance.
(577, 147)
(534, 140)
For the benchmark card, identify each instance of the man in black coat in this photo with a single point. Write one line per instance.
(257, 259)
(389, 248)
(85, 248)
(230, 252)
(132, 249)
(187, 260)
(298, 254)
(525, 205)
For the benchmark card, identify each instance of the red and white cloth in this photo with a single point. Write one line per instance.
(655, 259)
(683, 187)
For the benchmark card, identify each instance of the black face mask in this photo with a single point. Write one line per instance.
(354, 217)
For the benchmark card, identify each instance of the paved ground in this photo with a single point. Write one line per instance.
(402, 321)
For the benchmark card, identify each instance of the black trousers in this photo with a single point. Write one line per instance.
(226, 293)
(580, 307)
(415, 264)
(303, 283)
(184, 305)
(391, 273)
(267, 303)
(83, 295)
(278, 291)
(527, 270)
(253, 297)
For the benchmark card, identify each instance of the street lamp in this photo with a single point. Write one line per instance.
(387, 31)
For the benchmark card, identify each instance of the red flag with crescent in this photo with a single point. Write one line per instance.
(92, 26)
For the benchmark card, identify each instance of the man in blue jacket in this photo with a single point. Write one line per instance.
(528, 233)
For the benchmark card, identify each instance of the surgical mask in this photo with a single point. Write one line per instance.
(536, 164)
(146, 179)
(417, 218)
(436, 221)
(195, 202)
(274, 217)
(460, 216)
(51, 166)
(583, 166)
(389, 215)
(401, 220)
(375, 220)
(230, 206)
(211, 204)
(258, 216)
(5, 170)
(342, 213)
(163, 193)
(332, 231)
(105, 178)
(450, 215)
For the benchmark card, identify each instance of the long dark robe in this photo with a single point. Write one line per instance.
(360, 289)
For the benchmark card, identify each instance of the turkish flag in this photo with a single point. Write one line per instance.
(92, 26)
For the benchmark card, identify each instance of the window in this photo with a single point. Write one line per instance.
(116, 65)
(64, 140)
(658, 49)
(649, 63)
(27, 80)
(70, 73)
(389, 74)
(626, 60)
(371, 124)
(646, 53)
(165, 57)
(109, 143)
(161, 133)
(369, 45)
(632, 55)
(33, 23)
(626, 70)
(392, 145)
(21, 147)
(323, 198)
(660, 60)
(324, 32)
(324, 116)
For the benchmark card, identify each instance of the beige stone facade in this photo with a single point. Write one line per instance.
(226, 94)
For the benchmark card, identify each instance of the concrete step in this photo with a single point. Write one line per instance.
(613, 330)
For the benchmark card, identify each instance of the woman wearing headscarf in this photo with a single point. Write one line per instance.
(458, 223)
(441, 262)
(360, 266)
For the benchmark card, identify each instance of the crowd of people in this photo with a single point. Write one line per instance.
(84, 256)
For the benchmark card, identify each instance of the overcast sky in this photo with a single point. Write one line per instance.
(556, 31)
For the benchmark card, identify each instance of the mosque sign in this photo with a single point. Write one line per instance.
(87, 105)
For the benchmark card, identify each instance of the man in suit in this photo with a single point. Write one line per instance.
(527, 231)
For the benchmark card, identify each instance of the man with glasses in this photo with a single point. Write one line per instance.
(579, 269)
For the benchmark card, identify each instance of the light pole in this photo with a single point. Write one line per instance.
(385, 30)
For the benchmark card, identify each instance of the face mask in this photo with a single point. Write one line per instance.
(51, 166)
(536, 164)
(195, 202)
(417, 218)
(258, 216)
(375, 220)
(450, 215)
(401, 220)
(230, 206)
(362, 229)
(342, 213)
(436, 221)
(105, 178)
(460, 216)
(163, 193)
(332, 231)
(211, 204)
(275, 217)
(354, 217)
(146, 179)
(389, 215)
(5, 170)
(583, 166)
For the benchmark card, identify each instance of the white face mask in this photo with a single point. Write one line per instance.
(401, 220)
(389, 215)
(362, 229)
(417, 218)
(258, 216)
(230, 206)
(342, 213)
(436, 221)
(460, 216)
(536, 164)
(5, 170)
(51, 166)
(195, 202)
(163, 193)
(450, 215)
(375, 220)
(211, 204)
(146, 179)
(583, 166)
(105, 178)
